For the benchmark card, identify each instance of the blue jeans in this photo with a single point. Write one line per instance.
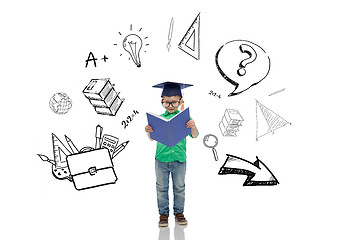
(162, 173)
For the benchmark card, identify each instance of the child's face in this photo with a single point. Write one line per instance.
(171, 104)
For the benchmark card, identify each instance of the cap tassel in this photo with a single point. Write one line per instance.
(182, 106)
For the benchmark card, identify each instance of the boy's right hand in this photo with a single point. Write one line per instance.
(148, 129)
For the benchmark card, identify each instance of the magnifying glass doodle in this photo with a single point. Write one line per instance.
(211, 141)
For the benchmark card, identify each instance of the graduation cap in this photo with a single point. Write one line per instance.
(172, 88)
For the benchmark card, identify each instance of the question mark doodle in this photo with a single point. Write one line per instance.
(245, 48)
(246, 52)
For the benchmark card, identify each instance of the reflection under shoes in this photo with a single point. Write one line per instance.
(179, 234)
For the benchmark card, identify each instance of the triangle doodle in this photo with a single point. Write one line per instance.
(273, 121)
(190, 43)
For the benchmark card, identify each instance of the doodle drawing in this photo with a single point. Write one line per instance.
(170, 35)
(130, 118)
(103, 96)
(133, 45)
(230, 123)
(253, 67)
(267, 121)
(60, 168)
(281, 90)
(60, 103)
(91, 57)
(190, 43)
(258, 173)
(90, 167)
(109, 142)
(211, 141)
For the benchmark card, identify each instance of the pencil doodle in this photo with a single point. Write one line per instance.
(253, 67)
(277, 92)
(258, 174)
(71, 145)
(133, 44)
(230, 123)
(119, 148)
(170, 35)
(103, 96)
(267, 121)
(211, 141)
(98, 136)
(60, 103)
(88, 167)
(190, 43)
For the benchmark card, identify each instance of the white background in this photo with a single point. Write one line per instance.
(44, 46)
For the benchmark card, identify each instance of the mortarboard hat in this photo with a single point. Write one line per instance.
(172, 88)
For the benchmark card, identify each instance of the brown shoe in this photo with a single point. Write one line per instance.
(163, 222)
(180, 219)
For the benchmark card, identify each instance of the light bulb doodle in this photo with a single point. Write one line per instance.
(134, 44)
(234, 53)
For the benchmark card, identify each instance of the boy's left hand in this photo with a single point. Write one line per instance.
(190, 124)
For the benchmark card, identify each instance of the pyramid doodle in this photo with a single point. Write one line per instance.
(267, 121)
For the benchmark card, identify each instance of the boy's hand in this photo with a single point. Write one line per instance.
(148, 129)
(190, 124)
(194, 131)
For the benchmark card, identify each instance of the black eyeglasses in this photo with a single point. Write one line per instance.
(167, 104)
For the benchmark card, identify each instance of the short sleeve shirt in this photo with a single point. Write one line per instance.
(171, 154)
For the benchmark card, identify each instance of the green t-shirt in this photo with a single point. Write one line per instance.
(171, 154)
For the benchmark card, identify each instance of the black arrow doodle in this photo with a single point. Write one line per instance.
(258, 173)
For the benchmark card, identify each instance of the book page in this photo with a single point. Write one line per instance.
(158, 116)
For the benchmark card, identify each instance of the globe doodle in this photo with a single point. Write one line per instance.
(60, 103)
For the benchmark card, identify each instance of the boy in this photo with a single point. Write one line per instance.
(171, 159)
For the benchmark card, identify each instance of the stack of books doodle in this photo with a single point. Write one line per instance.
(230, 123)
(103, 96)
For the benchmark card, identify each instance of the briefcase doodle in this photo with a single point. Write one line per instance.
(90, 169)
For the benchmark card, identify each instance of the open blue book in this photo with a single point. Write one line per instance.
(169, 131)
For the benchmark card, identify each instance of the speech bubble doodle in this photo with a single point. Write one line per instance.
(232, 59)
